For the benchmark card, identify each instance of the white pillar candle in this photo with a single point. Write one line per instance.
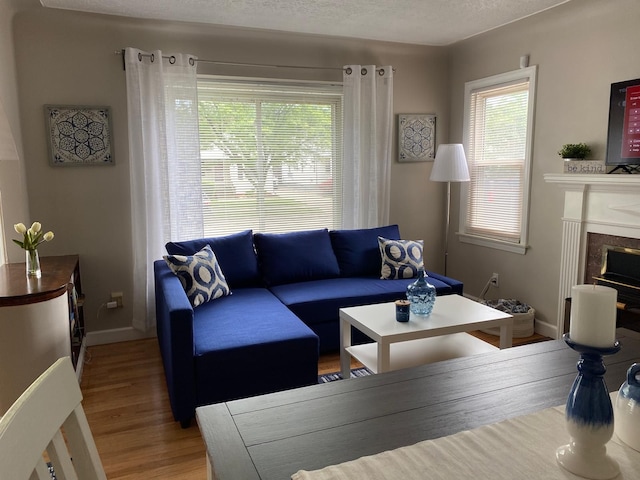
(593, 315)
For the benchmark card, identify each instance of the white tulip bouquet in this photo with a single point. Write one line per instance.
(33, 235)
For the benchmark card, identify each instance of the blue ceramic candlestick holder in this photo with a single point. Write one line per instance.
(589, 416)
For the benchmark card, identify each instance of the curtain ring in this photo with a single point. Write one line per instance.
(139, 56)
(172, 59)
(381, 72)
(363, 71)
(153, 57)
(192, 61)
(348, 71)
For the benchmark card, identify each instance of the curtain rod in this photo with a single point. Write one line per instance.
(172, 59)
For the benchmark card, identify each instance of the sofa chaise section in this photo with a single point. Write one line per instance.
(250, 342)
(244, 344)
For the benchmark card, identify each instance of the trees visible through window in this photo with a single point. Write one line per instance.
(271, 155)
(498, 135)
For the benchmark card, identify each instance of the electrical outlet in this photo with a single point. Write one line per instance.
(495, 280)
(117, 297)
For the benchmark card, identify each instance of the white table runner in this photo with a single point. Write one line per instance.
(519, 448)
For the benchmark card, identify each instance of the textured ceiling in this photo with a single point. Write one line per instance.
(424, 22)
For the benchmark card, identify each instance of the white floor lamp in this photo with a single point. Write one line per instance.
(450, 165)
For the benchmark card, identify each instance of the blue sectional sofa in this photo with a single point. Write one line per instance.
(282, 310)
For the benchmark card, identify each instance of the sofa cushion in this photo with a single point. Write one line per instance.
(319, 301)
(249, 344)
(400, 258)
(357, 251)
(235, 253)
(296, 256)
(200, 275)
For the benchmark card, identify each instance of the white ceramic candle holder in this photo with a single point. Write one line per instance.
(589, 415)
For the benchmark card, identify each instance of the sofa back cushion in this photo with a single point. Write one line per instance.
(235, 254)
(357, 250)
(296, 256)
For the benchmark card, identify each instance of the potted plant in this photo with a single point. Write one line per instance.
(575, 151)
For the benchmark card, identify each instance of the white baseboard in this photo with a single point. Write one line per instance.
(116, 335)
(546, 329)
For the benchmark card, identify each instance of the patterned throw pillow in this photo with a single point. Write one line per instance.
(400, 258)
(200, 275)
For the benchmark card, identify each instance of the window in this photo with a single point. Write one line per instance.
(498, 124)
(271, 155)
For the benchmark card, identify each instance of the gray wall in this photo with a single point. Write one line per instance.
(580, 48)
(68, 58)
(14, 204)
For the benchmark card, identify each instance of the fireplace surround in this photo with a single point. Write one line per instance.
(608, 205)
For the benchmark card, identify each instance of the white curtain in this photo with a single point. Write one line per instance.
(164, 159)
(368, 118)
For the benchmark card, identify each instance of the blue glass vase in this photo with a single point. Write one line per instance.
(422, 295)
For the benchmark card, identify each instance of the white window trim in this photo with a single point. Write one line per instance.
(529, 74)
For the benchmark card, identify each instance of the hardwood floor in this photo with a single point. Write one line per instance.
(127, 406)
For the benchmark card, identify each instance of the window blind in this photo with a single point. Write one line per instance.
(497, 147)
(271, 155)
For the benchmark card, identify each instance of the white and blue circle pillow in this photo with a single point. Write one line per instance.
(200, 275)
(400, 258)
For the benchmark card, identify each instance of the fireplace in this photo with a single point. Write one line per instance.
(615, 262)
(600, 211)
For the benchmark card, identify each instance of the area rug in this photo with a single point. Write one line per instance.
(355, 373)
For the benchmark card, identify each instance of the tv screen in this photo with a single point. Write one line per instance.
(623, 141)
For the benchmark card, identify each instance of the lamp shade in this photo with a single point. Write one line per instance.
(450, 164)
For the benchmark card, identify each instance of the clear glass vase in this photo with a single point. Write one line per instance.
(422, 295)
(33, 263)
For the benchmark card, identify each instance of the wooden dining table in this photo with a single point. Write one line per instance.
(275, 435)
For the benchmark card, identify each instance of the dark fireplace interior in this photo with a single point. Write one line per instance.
(621, 270)
(615, 262)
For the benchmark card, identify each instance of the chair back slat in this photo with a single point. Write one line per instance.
(41, 472)
(60, 458)
(32, 426)
(79, 438)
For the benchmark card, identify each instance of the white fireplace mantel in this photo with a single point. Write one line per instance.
(606, 204)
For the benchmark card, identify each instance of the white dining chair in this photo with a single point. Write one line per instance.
(48, 419)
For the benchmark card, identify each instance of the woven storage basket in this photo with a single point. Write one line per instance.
(523, 323)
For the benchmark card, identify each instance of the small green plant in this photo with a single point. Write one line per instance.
(575, 150)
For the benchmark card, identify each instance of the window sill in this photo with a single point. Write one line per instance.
(492, 243)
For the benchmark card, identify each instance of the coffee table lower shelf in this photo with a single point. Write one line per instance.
(421, 351)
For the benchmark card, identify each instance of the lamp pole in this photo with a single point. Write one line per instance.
(446, 231)
(450, 165)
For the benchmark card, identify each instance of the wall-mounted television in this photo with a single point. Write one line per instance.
(623, 140)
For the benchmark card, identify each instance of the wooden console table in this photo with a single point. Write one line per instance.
(273, 436)
(41, 320)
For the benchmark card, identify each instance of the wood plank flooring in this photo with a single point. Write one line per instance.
(127, 406)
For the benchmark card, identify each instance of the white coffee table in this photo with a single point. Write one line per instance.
(421, 340)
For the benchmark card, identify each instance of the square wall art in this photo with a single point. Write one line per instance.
(79, 135)
(416, 137)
